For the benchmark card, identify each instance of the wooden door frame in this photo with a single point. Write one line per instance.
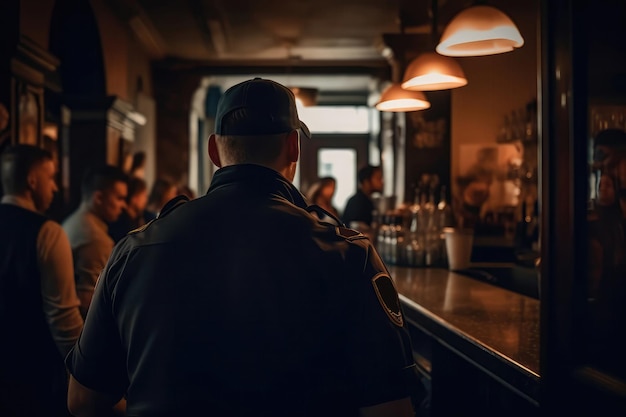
(571, 384)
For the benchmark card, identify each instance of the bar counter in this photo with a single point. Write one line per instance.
(493, 329)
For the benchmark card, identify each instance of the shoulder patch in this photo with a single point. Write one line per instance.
(388, 298)
(349, 234)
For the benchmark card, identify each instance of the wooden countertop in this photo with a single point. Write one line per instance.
(496, 329)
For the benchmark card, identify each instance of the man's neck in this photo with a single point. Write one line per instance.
(21, 200)
(286, 171)
(92, 209)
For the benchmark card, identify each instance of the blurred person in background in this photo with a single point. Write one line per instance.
(162, 191)
(138, 165)
(187, 191)
(132, 215)
(103, 192)
(321, 194)
(607, 251)
(360, 207)
(609, 149)
(40, 317)
(473, 191)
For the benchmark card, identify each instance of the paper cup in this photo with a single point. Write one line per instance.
(458, 247)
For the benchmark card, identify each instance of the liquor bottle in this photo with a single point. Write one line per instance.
(444, 211)
(414, 247)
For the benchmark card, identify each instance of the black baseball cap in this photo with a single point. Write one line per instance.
(267, 107)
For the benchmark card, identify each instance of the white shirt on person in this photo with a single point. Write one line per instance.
(91, 247)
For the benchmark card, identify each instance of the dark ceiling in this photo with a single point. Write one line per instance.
(317, 38)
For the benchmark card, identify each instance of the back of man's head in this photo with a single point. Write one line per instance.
(100, 178)
(252, 120)
(16, 163)
(366, 173)
(250, 149)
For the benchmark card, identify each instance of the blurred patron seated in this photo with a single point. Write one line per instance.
(321, 194)
(473, 192)
(359, 210)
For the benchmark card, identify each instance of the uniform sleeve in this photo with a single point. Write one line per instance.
(98, 361)
(58, 290)
(378, 347)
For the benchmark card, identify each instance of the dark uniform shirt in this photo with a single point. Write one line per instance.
(359, 208)
(243, 303)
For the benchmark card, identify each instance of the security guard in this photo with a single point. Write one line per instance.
(243, 303)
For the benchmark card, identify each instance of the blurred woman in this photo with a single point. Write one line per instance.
(321, 194)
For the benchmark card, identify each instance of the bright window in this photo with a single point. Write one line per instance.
(336, 119)
(341, 165)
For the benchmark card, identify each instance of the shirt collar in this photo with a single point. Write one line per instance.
(259, 176)
(19, 201)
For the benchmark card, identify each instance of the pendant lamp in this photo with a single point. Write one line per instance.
(431, 71)
(396, 99)
(479, 30)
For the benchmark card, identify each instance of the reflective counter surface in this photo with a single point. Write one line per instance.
(495, 328)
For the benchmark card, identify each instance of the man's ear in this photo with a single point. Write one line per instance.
(97, 197)
(213, 153)
(31, 180)
(293, 146)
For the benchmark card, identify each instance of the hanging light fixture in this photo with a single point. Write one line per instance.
(396, 99)
(479, 30)
(431, 71)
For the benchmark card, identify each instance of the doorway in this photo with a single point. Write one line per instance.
(338, 156)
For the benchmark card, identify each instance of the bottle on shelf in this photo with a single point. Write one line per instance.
(431, 230)
(445, 219)
(382, 237)
(414, 248)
